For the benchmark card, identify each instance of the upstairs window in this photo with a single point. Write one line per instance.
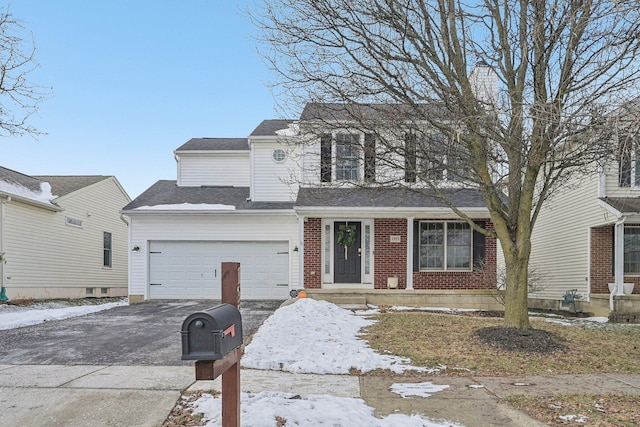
(628, 162)
(347, 157)
(107, 257)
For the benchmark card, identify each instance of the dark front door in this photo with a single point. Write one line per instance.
(346, 249)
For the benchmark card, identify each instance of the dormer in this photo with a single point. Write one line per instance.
(213, 162)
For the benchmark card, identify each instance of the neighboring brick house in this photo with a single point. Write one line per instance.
(302, 210)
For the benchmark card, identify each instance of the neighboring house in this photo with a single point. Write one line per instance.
(62, 236)
(587, 237)
(301, 210)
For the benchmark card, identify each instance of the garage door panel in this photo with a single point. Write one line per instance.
(189, 270)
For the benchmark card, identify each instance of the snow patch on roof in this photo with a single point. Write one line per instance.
(292, 130)
(189, 207)
(43, 196)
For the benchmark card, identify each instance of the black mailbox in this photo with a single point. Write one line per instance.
(211, 334)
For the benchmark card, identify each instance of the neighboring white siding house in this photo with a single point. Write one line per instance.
(62, 236)
(587, 238)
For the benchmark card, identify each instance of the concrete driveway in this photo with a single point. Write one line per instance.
(140, 334)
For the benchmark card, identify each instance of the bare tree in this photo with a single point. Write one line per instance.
(561, 67)
(19, 97)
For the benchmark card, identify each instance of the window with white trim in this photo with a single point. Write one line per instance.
(445, 246)
(107, 256)
(347, 157)
(628, 162)
(631, 249)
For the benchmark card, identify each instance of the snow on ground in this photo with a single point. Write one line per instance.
(425, 389)
(317, 337)
(16, 316)
(308, 336)
(270, 409)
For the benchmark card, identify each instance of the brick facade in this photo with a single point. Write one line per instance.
(391, 260)
(313, 253)
(601, 267)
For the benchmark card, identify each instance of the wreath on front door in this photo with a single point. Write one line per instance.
(346, 238)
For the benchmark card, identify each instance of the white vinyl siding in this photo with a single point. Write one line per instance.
(613, 188)
(200, 228)
(214, 169)
(560, 240)
(47, 258)
(273, 180)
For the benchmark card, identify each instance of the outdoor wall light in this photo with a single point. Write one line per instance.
(295, 249)
(135, 248)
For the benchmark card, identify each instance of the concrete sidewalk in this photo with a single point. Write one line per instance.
(87, 395)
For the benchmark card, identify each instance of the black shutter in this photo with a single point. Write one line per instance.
(369, 157)
(409, 157)
(325, 158)
(479, 241)
(416, 245)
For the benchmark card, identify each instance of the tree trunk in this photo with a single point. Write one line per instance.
(516, 313)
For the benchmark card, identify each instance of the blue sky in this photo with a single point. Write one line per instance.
(134, 80)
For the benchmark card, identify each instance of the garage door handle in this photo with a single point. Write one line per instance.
(282, 284)
(155, 284)
(215, 273)
(282, 253)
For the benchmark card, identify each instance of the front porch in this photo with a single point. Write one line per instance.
(435, 298)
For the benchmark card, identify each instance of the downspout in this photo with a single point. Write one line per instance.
(3, 295)
(619, 260)
(409, 253)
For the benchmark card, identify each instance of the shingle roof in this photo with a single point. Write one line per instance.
(215, 144)
(386, 197)
(269, 127)
(166, 192)
(61, 185)
(624, 204)
(18, 178)
(349, 112)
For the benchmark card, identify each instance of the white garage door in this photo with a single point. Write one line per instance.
(190, 270)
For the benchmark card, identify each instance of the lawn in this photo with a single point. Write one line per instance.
(431, 340)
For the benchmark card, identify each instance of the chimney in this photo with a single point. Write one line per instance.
(484, 83)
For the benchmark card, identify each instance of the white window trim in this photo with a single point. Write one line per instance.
(625, 273)
(444, 263)
(334, 157)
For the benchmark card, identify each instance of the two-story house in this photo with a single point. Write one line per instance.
(587, 236)
(310, 204)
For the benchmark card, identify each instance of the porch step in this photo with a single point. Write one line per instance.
(350, 302)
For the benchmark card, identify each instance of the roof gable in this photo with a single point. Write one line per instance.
(215, 144)
(63, 185)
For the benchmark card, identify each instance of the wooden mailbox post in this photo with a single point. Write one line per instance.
(229, 366)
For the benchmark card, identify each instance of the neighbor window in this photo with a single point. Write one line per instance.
(106, 250)
(632, 249)
(445, 246)
(628, 163)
